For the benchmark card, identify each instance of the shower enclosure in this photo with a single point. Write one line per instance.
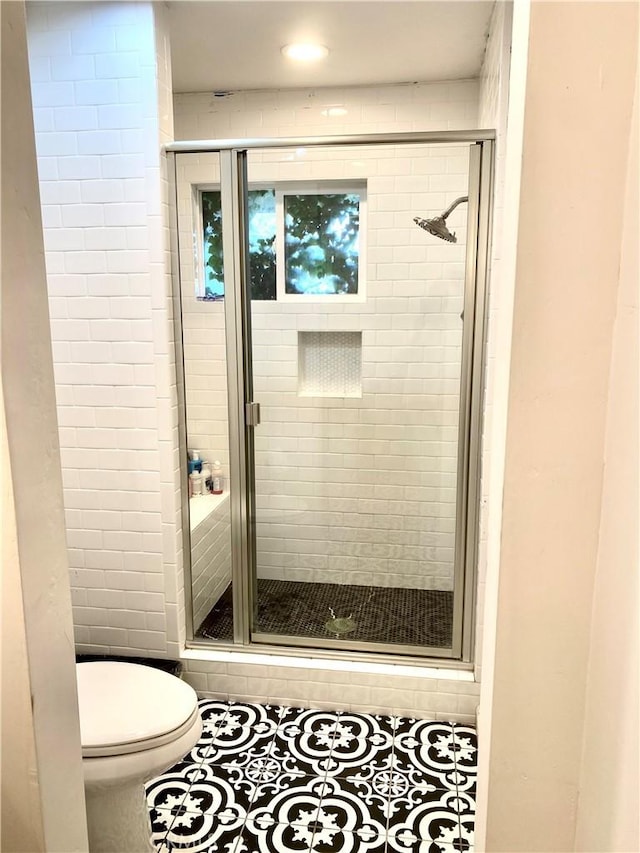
(329, 353)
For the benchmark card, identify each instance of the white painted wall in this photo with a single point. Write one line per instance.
(505, 241)
(20, 812)
(609, 797)
(44, 740)
(493, 109)
(565, 305)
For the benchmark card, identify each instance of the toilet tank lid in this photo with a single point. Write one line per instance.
(123, 703)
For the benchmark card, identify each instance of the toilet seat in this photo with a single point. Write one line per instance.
(127, 708)
(139, 745)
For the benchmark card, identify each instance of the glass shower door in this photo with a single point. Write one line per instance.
(203, 328)
(360, 364)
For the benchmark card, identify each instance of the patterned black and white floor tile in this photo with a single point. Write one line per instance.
(266, 779)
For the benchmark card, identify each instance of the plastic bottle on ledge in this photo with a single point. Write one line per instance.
(196, 482)
(206, 479)
(216, 476)
(194, 462)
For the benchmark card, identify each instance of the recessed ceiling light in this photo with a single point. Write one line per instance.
(305, 52)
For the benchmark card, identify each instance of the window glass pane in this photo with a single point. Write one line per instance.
(262, 243)
(262, 236)
(321, 243)
(212, 222)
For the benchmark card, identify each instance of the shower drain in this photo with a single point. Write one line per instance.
(340, 625)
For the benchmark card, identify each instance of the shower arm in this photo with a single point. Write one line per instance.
(453, 206)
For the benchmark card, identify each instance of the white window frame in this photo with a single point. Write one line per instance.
(320, 188)
(282, 189)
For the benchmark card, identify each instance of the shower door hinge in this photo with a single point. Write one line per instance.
(252, 414)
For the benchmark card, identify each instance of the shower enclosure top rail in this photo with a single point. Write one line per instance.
(194, 146)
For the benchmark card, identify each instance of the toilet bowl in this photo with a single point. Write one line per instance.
(135, 722)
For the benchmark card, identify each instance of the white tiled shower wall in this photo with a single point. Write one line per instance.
(210, 558)
(350, 489)
(447, 105)
(101, 94)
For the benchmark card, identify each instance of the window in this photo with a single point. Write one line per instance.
(262, 237)
(304, 241)
(321, 243)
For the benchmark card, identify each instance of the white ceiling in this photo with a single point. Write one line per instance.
(231, 45)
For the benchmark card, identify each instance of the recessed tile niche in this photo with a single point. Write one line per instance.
(330, 364)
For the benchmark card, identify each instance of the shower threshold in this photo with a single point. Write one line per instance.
(389, 615)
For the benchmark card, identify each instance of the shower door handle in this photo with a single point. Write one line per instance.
(252, 413)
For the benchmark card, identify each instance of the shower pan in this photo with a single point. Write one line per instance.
(329, 356)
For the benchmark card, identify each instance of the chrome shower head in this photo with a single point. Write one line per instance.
(437, 226)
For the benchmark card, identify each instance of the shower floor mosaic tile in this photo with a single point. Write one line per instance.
(390, 615)
(266, 779)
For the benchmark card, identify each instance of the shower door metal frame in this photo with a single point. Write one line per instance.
(233, 183)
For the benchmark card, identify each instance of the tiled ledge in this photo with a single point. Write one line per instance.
(201, 507)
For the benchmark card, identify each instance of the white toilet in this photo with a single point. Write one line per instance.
(135, 722)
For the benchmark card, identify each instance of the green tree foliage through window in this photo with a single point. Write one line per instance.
(321, 243)
(212, 222)
(262, 238)
(262, 243)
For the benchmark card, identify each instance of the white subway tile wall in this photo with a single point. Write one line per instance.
(339, 687)
(210, 560)
(101, 83)
(450, 105)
